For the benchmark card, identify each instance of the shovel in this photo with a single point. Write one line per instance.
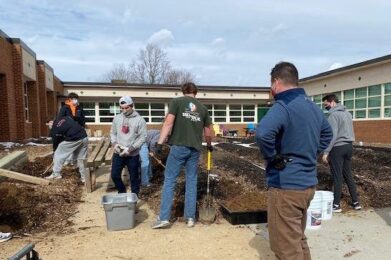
(158, 161)
(208, 213)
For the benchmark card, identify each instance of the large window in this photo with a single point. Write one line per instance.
(89, 111)
(26, 102)
(387, 100)
(241, 113)
(218, 112)
(107, 111)
(152, 112)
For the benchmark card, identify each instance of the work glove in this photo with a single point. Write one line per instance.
(117, 148)
(125, 152)
(279, 161)
(209, 147)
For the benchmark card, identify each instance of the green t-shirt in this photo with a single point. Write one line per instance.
(191, 116)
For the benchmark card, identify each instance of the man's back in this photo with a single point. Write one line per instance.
(191, 116)
(294, 127)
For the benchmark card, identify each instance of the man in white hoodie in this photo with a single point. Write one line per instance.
(128, 133)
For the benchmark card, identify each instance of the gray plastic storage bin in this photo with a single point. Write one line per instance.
(120, 210)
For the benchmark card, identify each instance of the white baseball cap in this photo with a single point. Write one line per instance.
(126, 100)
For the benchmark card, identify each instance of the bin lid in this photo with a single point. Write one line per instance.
(119, 198)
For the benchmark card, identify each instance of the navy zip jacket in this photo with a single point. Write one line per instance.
(294, 127)
(65, 128)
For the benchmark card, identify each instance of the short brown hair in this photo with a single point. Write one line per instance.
(73, 95)
(330, 98)
(286, 72)
(189, 88)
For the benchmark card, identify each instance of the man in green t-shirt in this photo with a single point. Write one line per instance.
(186, 120)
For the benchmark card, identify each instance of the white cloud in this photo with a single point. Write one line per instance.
(335, 65)
(218, 42)
(162, 37)
(126, 16)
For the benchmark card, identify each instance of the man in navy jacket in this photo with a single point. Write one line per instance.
(290, 136)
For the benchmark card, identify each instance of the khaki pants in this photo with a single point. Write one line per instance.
(287, 215)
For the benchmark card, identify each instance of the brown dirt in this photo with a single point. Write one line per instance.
(28, 208)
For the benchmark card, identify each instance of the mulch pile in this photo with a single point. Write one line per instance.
(28, 208)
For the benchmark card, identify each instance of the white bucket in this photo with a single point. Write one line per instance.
(327, 204)
(314, 212)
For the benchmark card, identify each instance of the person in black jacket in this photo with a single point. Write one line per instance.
(73, 109)
(75, 142)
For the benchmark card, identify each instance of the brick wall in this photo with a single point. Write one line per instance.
(43, 106)
(34, 109)
(374, 131)
(51, 98)
(7, 94)
(22, 130)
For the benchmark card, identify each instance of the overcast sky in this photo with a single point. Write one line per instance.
(225, 42)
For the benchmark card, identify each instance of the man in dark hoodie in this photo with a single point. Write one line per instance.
(75, 142)
(339, 153)
(290, 137)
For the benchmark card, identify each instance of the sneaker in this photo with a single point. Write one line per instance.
(356, 205)
(160, 224)
(190, 223)
(54, 176)
(337, 208)
(5, 236)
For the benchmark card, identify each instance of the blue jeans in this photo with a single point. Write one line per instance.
(146, 170)
(118, 163)
(180, 156)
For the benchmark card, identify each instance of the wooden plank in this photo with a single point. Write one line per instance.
(93, 181)
(91, 158)
(23, 177)
(88, 180)
(13, 158)
(109, 156)
(101, 155)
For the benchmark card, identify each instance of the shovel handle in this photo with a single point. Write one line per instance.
(209, 160)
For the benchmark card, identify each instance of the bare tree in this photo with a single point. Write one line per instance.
(119, 72)
(178, 77)
(151, 66)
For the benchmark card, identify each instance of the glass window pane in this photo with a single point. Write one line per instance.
(374, 113)
(361, 114)
(349, 104)
(142, 106)
(248, 107)
(106, 113)
(106, 119)
(87, 105)
(105, 105)
(89, 112)
(210, 112)
(219, 107)
(146, 119)
(220, 119)
(387, 88)
(235, 107)
(387, 112)
(248, 113)
(361, 92)
(143, 112)
(338, 94)
(157, 106)
(157, 119)
(220, 113)
(348, 94)
(248, 119)
(235, 113)
(374, 101)
(318, 98)
(235, 119)
(361, 103)
(157, 113)
(387, 100)
(90, 119)
(351, 112)
(374, 90)
(209, 106)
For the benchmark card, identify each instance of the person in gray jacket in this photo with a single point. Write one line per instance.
(147, 149)
(339, 153)
(128, 133)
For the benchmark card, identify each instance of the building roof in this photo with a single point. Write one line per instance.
(161, 86)
(42, 62)
(386, 58)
